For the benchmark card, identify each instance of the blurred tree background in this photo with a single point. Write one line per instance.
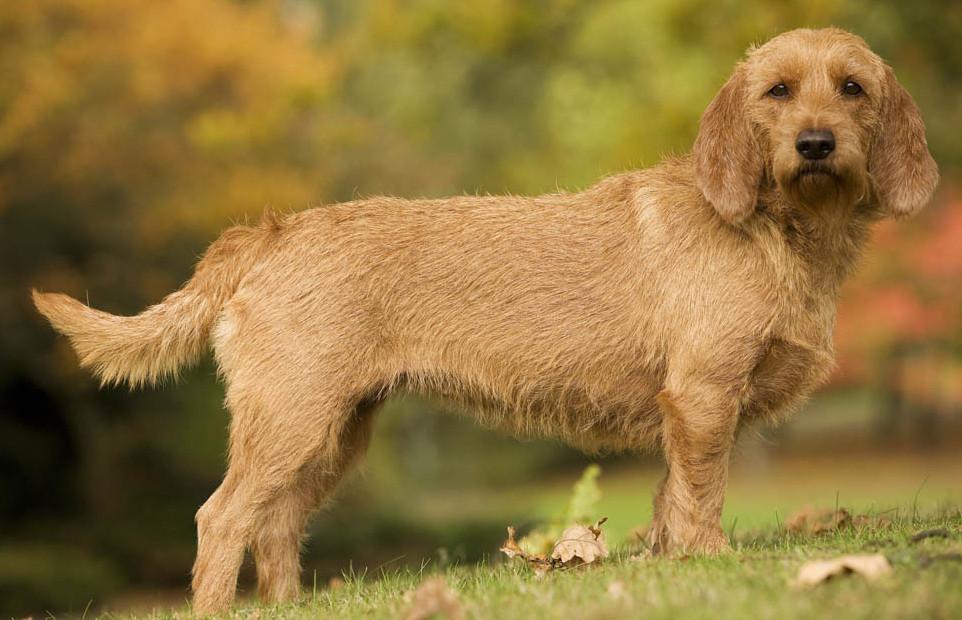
(131, 132)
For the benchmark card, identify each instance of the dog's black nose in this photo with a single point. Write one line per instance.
(815, 144)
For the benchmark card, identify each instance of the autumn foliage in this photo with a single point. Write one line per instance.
(908, 294)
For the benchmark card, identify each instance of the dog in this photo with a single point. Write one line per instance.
(665, 307)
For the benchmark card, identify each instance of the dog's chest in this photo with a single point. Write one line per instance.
(796, 354)
(787, 370)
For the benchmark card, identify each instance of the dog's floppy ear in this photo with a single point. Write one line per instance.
(904, 175)
(728, 162)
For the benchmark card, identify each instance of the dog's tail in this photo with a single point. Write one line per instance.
(160, 340)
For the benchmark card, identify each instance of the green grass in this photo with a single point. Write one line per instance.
(754, 581)
(916, 491)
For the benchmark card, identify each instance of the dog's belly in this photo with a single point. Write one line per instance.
(622, 416)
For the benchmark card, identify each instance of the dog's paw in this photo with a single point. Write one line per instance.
(713, 543)
(694, 541)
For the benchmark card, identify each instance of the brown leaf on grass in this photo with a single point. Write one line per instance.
(433, 598)
(580, 544)
(810, 520)
(815, 521)
(512, 549)
(871, 567)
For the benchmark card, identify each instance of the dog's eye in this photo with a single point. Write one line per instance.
(851, 88)
(778, 91)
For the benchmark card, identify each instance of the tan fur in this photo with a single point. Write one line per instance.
(663, 307)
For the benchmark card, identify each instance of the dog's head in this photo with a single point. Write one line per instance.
(821, 116)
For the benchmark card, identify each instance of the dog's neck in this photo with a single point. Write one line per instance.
(825, 239)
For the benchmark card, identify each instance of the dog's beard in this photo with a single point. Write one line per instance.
(817, 183)
(820, 186)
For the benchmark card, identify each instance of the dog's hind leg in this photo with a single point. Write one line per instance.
(220, 548)
(277, 540)
(288, 448)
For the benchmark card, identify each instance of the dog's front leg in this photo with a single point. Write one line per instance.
(698, 432)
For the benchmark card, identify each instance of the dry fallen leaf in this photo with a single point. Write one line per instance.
(869, 566)
(512, 549)
(434, 598)
(580, 544)
(810, 520)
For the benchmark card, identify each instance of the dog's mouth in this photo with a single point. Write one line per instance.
(816, 171)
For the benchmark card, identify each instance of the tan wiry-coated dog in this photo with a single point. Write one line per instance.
(663, 307)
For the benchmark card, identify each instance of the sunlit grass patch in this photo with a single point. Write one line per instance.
(756, 580)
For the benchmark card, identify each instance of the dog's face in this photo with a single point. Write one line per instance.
(821, 116)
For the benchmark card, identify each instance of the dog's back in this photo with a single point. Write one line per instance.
(535, 313)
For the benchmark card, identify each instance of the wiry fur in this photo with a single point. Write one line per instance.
(663, 307)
